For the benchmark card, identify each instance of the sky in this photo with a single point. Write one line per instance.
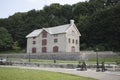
(10, 7)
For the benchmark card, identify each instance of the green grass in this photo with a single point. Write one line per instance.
(51, 61)
(27, 74)
(43, 60)
(108, 60)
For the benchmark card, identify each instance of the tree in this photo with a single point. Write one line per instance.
(16, 46)
(94, 19)
(104, 29)
(5, 39)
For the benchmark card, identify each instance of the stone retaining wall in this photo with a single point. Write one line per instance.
(62, 56)
(92, 54)
(51, 56)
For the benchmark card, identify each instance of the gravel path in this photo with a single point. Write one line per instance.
(89, 73)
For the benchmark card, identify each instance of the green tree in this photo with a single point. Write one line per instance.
(5, 39)
(16, 46)
(104, 29)
(98, 24)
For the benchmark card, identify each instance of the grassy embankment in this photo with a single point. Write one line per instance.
(27, 74)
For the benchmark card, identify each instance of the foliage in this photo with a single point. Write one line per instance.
(5, 39)
(104, 29)
(26, 74)
(16, 46)
(12, 51)
(97, 22)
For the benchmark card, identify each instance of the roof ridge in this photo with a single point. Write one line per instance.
(50, 30)
(58, 26)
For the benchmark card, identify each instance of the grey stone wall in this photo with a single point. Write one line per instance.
(92, 54)
(50, 56)
(62, 56)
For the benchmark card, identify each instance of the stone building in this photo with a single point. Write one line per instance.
(63, 38)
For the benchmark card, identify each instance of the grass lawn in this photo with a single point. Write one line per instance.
(90, 61)
(108, 60)
(27, 74)
(43, 60)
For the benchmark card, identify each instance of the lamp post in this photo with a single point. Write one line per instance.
(97, 62)
(29, 56)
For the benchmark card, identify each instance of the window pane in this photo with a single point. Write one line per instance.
(73, 41)
(44, 34)
(44, 42)
(34, 50)
(55, 49)
(44, 49)
(34, 42)
(76, 41)
(34, 37)
(55, 40)
(69, 40)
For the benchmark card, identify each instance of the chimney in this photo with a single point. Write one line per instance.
(71, 22)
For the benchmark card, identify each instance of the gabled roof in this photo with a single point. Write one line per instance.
(52, 30)
(34, 33)
(58, 29)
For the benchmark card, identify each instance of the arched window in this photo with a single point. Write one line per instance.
(72, 49)
(69, 40)
(44, 49)
(44, 34)
(73, 41)
(44, 42)
(33, 50)
(76, 41)
(55, 49)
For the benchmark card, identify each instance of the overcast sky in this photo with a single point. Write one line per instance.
(9, 7)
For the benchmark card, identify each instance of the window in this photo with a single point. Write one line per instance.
(34, 42)
(44, 49)
(33, 50)
(44, 34)
(44, 42)
(72, 49)
(55, 49)
(55, 40)
(76, 41)
(73, 41)
(69, 40)
(34, 37)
